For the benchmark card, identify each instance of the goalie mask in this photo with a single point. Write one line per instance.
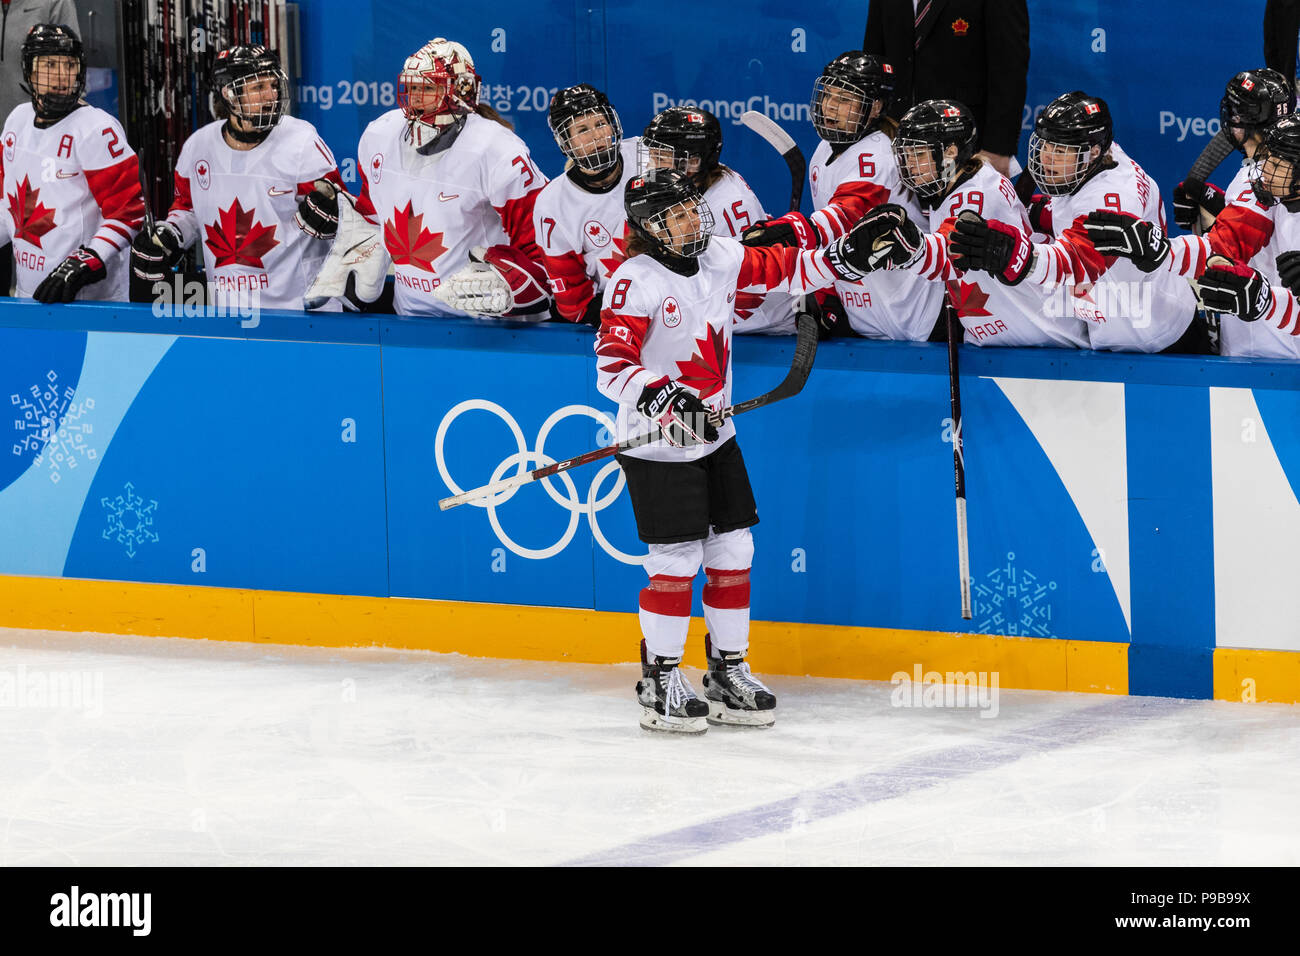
(665, 208)
(682, 138)
(935, 140)
(436, 89)
(850, 96)
(586, 127)
(1276, 176)
(54, 70)
(1253, 101)
(1069, 143)
(253, 90)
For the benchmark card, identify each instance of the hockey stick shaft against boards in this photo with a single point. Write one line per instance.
(805, 349)
(958, 458)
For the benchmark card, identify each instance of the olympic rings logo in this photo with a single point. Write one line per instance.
(525, 461)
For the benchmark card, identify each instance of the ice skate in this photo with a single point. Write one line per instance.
(735, 696)
(668, 703)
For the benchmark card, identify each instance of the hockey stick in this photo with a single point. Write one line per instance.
(1215, 152)
(781, 141)
(958, 458)
(805, 349)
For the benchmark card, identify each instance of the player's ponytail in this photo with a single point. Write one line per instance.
(889, 126)
(488, 112)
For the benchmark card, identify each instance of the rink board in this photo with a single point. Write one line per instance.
(1132, 518)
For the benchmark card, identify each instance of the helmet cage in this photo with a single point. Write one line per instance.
(437, 86)
(245, 98)
(845, 89)
(1072, 162)
(917, 151)
(1274, 177)
(44, 41)
(663, 228)
(595, 157)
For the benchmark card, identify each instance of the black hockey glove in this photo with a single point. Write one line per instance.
(153, 255)
(1232, 289)
(883, 238)
(591, 315)
(1190, 197)
(73, 274)
(1119, 234)
(680, 415)
(1288, 270)
(318, 213)
(987, 245)
(792, 229)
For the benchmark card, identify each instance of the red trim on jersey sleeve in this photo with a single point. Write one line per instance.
(570, 284)
(366, 205)
(333, 176)
(181, 198)
(1085, 263)
(851, 201)
(783, 268)
(618, 347)
(1239, 232)
(517, 220)
(118, 192)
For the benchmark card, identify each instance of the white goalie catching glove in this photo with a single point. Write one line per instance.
(357, 264)
(497, 281)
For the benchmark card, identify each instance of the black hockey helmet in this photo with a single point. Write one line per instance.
(852, 74)
(684, 133)
(584, 100)
(651, 200)
(1276, 176)
(924, 134)
(237, 68)
(1070, 126)
(1253, 101)
(52, 39)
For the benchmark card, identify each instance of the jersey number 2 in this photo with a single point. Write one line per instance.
(114, 150)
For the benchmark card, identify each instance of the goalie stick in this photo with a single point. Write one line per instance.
(805, 350)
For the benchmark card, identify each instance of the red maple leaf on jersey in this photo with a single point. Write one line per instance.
(968, 299)
(237, 240)
(617, 256)
(706, 372)
(410, 243)
(31, 218)
(593, 230)
(670, 308)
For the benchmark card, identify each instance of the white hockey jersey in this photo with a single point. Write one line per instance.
(892, 304)
(992, 312)
(74, 183)
(735, 208)
(657, 323)
(1125, 309)
(580, 234)
(1252, 234)
(480, 191)
(238, 206)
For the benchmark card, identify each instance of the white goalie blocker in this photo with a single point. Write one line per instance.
(500, 281)
(357, 264)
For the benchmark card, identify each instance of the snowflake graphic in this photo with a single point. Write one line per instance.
(1013, 601)
(130, 520)
(50, 424)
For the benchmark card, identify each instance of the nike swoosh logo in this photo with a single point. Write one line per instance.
(272, 191)
(443, 197)
(62, 175)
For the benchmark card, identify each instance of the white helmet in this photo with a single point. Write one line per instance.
(437, 86)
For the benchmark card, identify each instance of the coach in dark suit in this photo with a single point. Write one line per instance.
(974, 51)
(1281, 29)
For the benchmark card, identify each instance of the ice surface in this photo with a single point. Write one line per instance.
(196, 752)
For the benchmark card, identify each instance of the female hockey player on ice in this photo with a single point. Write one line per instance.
(664, 355)
(690, 141)
(853, 171)
(71, 182)
(578, 218)
(1074, 160)
(239, 180)
(453, 189)
(1236, 266)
